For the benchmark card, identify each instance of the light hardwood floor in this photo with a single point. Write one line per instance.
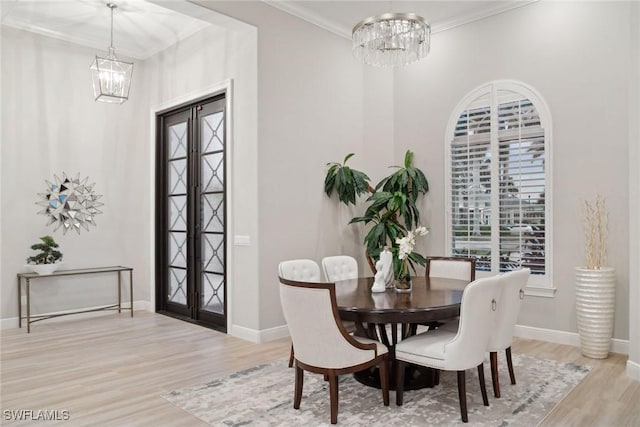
(110, 371)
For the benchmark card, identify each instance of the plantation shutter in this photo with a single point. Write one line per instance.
(521, 187)
(498, 184)
(471, 186)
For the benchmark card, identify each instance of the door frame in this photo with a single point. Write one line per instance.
(225, 86)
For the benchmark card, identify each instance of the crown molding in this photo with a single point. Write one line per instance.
(477, 16)
(311, 17)
(292, 8)
(77, 39)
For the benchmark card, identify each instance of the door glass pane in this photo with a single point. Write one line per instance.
(212, 132)
(212, 211)
(212, 293)
(178, 140)
(213, 253)
(178, 249)
(178, 176)
(177, 286)
(212, 172)
(177, 213)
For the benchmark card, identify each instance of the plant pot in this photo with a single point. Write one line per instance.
(44, 268)
(595, 309)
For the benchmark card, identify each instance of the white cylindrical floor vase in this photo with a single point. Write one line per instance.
(595, 309)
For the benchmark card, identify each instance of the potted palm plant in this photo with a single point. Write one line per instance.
(391, 210)
(47, 260)
(595, 285)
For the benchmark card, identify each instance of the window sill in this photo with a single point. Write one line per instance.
(539, 291)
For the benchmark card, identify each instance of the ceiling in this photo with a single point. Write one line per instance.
(143, 28)
(140, 28)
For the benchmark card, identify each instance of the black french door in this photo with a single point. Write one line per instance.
(191, 218)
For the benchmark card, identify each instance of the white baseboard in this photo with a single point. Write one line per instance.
(633, 370)
(563, 337)
(12, 322)
(259, 336)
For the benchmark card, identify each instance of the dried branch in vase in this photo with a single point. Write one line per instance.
(596, 219)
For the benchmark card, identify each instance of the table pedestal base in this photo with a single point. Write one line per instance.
(415, 377)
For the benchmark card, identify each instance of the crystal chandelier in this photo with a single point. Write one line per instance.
(111, 78)
(391, 39)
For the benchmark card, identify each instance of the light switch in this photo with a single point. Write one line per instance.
(242, 240)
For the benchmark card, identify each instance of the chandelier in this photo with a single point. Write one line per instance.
(111, 78)
(391, 39)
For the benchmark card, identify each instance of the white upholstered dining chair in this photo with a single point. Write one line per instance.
(456, 351)
(459, 268)
(301, 270)
(451, 268)
(322, 344)
(339, 267)
(513, 284)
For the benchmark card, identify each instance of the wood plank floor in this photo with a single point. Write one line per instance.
(111, 370)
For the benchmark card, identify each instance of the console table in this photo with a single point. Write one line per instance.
(33, 276)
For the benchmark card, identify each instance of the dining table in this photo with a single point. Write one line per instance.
(391, 316)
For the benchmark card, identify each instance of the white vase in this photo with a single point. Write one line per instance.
(595, 309)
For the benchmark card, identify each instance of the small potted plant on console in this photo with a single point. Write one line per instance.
(48, 259)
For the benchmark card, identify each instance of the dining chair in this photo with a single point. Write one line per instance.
(456, 351)
(339, 267)
(302, 270)
(322, 344)
(459, 268)
(451, 268)
(513, 284)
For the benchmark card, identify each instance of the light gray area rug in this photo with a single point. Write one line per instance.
(263, 396)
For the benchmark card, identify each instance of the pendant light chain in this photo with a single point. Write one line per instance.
(112, 6)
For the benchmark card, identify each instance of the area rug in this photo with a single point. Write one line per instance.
(263, 396)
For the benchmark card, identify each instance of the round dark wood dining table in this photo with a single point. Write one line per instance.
(390, 316)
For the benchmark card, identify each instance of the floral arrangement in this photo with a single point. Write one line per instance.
(405, 254)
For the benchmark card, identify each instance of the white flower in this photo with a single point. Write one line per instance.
(405, 247)
(421, 231)
(407, 243)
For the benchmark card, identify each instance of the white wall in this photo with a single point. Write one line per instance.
(50, 125)
(582, 73)
(316, 104)
(53, 125)
(633, 369)
(190, 67)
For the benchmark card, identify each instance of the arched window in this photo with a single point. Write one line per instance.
(499, 182)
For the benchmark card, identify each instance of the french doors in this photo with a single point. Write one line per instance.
(191, 220)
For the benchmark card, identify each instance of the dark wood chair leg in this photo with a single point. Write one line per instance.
(291, 357)
(494, 373)
(483, 386)
(462, 395)
(384, 380)
(436, 376)
(399, 382)
(510, 365)
(297, 395)
(333, 393)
